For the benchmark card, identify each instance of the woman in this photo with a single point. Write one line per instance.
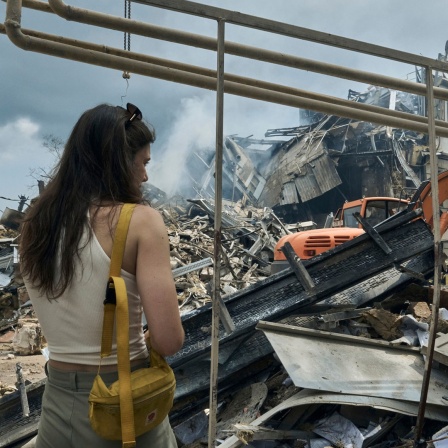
(66, 244)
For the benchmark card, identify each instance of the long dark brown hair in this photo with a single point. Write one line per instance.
(96, 168)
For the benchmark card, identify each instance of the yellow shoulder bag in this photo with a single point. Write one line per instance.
(139, 400)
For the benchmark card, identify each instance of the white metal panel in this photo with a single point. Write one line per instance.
(348, 364)
(5, 280)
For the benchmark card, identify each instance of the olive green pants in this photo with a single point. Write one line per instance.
(64, 420)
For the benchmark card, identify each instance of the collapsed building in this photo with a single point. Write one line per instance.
(306, 172)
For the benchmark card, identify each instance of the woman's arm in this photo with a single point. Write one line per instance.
(155, 282)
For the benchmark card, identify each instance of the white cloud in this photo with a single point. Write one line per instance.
(18, 139)
(21, 151)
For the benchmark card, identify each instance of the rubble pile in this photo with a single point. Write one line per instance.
(248, 238)
(11, 296)
(275, 411)
(288, 401)
(329, 353)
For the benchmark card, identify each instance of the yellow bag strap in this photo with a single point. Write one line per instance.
(121, 233)
(117, 290)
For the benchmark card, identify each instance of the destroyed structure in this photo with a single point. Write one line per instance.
(262, 397)
(337, 361)
(305, 173)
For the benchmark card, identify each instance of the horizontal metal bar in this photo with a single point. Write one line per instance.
(294, 31)
(29, 43)
(148, 30)
(228, 76)
(302, 331)
(192, 267)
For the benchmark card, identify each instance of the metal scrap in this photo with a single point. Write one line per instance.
(353, 365)
(248, 239)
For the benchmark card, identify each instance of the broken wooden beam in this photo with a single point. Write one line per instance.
(298, 268)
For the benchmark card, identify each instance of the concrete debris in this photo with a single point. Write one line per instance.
(385, 323)
(28, 338)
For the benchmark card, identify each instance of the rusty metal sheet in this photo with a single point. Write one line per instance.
(340, 363)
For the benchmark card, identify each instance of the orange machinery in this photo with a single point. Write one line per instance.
(308, 243)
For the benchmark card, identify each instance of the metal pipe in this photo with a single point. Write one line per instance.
(13, 30)
(214, 364)
(36, 5)
(293, 31)
(145, 29)
(227, 76)
(437, 259)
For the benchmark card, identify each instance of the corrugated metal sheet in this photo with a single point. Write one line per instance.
(325, 172)
(305, 164)
(321, 176)
(272, 191)
(289, 194)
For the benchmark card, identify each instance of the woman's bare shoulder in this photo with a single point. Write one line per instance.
(143, 211)
(145, 217)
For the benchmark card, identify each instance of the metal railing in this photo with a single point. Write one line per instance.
(227, 83)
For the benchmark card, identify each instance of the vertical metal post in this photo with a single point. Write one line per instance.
(22, 388)
(437, 254)
(217, 238)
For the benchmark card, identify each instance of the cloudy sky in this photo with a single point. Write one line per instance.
(42, 95)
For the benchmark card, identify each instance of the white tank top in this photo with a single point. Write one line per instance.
(72, 324)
